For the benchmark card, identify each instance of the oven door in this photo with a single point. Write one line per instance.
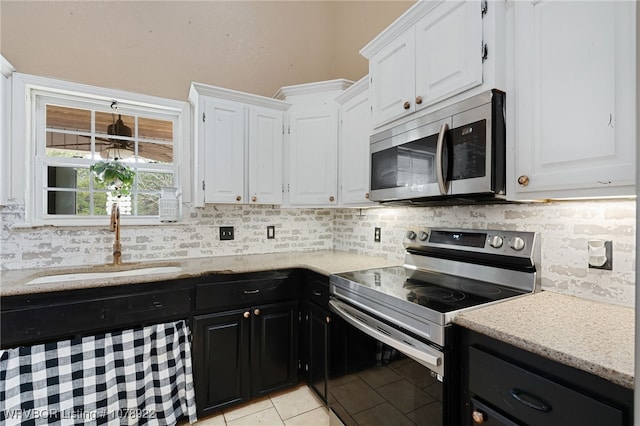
(381, 376)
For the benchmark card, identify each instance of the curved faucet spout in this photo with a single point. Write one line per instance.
(115, 227)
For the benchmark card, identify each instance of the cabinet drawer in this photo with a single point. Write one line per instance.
(59, 320)
(487, 416)
(245, 292)
(533, 399)
(317, 290)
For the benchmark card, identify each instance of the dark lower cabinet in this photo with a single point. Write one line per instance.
(318, 326)
(274, 346)
(316, 333)
(504, 385)
(244, 353)
(221, 359)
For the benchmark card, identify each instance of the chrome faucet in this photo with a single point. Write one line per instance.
(115, 227)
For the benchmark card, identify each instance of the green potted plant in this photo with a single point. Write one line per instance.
(115, 176)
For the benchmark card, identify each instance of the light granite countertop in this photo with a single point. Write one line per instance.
(591, 336)
(14, 282)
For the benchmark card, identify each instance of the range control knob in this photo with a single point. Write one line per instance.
(516, 243)
(423, 236)
(495, 241)
(411, 235)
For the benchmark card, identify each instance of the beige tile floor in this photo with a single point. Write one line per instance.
(292, 407)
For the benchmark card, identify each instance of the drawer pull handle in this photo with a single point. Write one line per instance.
(317, 293)
(251, 291)
(529, 401)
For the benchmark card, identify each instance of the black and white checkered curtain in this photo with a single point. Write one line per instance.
(132, 377)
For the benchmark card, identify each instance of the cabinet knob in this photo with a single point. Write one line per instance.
(254, 199)
(406, 105)
(256, 312)
(366, 195)
(478, 417)
(246, 314)
(328, 319)
(332, 198)
(418, 100)
(523, 180)
(238, 198)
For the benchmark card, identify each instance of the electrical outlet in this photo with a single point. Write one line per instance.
(600, 254)
(271, 232)
(226, 233)
(376, 235)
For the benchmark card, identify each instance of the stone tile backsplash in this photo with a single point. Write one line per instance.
(565, 228)
(196, 236)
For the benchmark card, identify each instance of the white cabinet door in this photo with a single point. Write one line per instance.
(575, 99)
(448, 51)
(224, 149)
(265, 156)
(313, 148)
(392, 72)
(355, 130)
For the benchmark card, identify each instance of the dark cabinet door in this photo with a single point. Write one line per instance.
(318, 329)
(221, 359)
(274, 346)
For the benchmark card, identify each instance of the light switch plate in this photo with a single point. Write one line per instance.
(376, 234)
(271, 232)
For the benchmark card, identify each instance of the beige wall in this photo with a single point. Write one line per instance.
(159, 47)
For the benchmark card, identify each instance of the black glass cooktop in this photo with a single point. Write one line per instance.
(440, 292)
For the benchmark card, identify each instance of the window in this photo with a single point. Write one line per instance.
(71, 130)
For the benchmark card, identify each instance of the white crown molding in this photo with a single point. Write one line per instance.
(358, 87)
(6, 67)
(307, 88)
(397, 27)
(234, 95)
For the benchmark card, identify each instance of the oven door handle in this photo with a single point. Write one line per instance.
(433, 362)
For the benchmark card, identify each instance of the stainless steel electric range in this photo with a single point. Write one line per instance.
(393, 358)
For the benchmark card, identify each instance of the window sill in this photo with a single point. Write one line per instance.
(93, 223)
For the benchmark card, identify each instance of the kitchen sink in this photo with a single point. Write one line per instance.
(79, 276)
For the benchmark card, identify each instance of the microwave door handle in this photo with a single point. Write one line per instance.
(443, 183)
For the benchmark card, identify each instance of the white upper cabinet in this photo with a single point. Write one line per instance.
(354, 148)
(448, 51)
(265, 155)
(574, 99)
(224, 139)
(311, 153)
(393, 90)
(5, 128)
(432, 53)
(313, 148)
(238, 140)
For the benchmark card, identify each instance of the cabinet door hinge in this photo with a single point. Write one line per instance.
(485, 51)
(203, 185)
(283, 129)
(289, 129)
(203, 117)
(483, 7)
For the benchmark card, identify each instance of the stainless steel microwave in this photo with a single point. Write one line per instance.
(455, 155)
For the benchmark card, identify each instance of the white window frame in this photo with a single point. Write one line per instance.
(28, 141)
